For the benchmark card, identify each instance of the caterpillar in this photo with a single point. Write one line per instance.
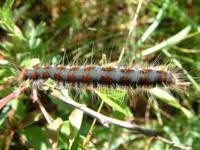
(105, 75)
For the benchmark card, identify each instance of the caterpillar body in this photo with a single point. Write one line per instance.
(104, 75)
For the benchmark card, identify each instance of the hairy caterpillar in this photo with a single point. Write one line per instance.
(105, 75)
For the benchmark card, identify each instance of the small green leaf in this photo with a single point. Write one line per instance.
(7, 22)
(18, 106)
(3, 62)
(40, 29)
(75, 120)
(170, 100)
(65, 129)
(64, 134)
(52, 132)
(8, 4)
(35, 136)
(28, 63)
(29, 119)
(115, 99)
(121, 140)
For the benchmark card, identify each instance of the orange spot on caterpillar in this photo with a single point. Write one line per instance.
(145, 70)
(108, 69)
(86, 78)
(126, 70)
(2, 56)
(162, 77)
(106, 79)
(144, 80)
(45, 75)
(88, 68)
(60, 67)
(57, 76)
(47, 67)
(124, 80)
(22, 75)
(36, 67)
(73, 68)
(34, 76)
(71, 77)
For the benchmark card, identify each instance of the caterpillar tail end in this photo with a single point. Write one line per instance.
(183, 85)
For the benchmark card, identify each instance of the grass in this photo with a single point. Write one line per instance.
(80, 32)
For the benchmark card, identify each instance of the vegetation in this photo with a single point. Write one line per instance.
(128, 32)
